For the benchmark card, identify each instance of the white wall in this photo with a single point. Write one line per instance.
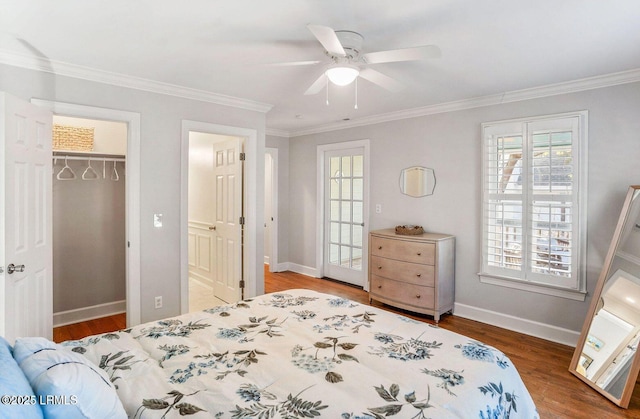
(161, 119)
(450, 144)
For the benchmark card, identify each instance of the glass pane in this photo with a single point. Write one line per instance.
(344, 256)
(346, 211)
(551, 238)
(358, 189)
(346, 189)
(358, 166)
(346, 166)
(335, 189)
(504, 234)
(357, 235)
(345, 233)
(356, 262)
(335, 211)
(357, 212)
(334, 254)
(334, 171)
(335, 233)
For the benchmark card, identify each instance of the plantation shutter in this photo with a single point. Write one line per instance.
(532, 218)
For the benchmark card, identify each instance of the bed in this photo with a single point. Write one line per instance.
(293, 354)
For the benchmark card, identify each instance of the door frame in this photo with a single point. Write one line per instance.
(320, 204)
(273, 257)
(132, 187)
(249, 201)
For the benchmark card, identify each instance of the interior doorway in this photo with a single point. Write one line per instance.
(132, 187)
(215, 227)
(89, 219)
(271, 209)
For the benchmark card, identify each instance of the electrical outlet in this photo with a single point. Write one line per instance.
(378, 208)
(158, 302)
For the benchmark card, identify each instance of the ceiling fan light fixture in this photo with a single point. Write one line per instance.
(342, 75)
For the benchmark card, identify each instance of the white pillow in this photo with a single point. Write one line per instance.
(66, 384)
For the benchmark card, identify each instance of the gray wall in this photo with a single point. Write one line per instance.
(161, 119)
(450, 144)
(89, 244)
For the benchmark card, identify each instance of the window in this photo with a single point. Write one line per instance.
(534, 200)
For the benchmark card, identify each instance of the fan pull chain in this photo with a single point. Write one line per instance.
(356, 105)
(327, 92)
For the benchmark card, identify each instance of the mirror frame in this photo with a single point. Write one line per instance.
(625, 397)
(427, 173)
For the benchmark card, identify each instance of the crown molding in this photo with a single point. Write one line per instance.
(116, 79)
(71, 70)
(589, 83)
(277, 133)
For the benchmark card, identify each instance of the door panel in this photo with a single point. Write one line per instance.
(228, 198)
(25, 194)
(344, 183)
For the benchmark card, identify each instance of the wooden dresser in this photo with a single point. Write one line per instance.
(414, 272)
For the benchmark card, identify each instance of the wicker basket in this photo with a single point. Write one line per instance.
(72, 138)
(409, 230)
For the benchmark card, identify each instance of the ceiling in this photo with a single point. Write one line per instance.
(489, 47)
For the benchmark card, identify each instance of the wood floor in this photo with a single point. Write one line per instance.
(543, 365)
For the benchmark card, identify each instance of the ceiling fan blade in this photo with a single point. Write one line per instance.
(381, 80)
(295, 63)
(403, 54)
(328, 39)
(317, 85)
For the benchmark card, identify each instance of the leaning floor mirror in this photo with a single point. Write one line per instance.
(605, 356)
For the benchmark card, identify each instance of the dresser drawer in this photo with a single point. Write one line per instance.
(414, 273)
(407, 294)
(403, 250)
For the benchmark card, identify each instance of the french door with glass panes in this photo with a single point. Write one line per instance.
(344, 225)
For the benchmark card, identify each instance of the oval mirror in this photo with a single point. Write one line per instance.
(605, 356)
(417, 181)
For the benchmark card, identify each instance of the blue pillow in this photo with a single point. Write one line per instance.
(14, 383)
(67, 384)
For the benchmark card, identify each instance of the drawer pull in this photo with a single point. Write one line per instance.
(417, 295)
(379, 247)
(419, 254)
(419, 275)
(379, 286)
(379, 267)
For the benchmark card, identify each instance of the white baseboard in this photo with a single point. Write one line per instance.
(278, 267)
(301, 269)
(528, 327)
(63, 318)
(205, 282)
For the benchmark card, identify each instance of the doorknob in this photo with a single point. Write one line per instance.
(14, 268)
(212, 227)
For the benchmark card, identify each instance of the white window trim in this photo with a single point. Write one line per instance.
(580, 292)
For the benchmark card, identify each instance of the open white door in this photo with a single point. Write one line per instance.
(26, 299)
(227, 170)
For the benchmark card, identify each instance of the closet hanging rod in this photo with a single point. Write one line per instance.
(105, 159)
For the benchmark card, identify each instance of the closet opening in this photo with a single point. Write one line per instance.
(89, 219)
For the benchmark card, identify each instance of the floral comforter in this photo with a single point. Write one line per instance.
(302, 354)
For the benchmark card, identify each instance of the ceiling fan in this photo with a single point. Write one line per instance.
(344, 48)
